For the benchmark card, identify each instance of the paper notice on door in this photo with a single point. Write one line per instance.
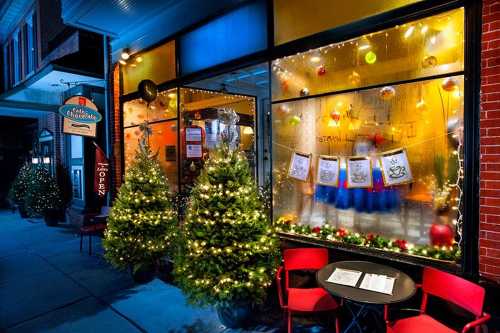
(345, 277)
(378, 283)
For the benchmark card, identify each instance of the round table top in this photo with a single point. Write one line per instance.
(404, 287)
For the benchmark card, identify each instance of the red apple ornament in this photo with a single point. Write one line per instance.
(321, 70)
(441, 235)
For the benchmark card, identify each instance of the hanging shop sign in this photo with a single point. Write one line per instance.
(80, 116)
(101, 172)
(300, 165)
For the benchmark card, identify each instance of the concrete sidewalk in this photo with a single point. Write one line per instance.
(47, 285)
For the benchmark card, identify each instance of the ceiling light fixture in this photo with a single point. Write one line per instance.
(125, 54)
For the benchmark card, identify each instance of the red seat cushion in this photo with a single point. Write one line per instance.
(419, 324)
(310, 299)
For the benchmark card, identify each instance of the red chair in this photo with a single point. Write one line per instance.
(448, 287)
(303, 300)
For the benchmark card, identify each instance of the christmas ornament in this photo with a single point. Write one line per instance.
(429, 61)
(449, 84)
(321, 70)
(192, 167)
(284, 85)
(387, 93)
(282, 111)
(354, 78)
(441, 235)
(294, 120)
(335, 115)
(377, 139)
(148, 90)
(402, 244)
(304, 92)
(370, 57)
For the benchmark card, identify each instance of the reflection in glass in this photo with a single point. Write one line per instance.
(138, 111)
(163, 142)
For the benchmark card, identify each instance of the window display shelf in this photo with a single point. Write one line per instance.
(401, 257)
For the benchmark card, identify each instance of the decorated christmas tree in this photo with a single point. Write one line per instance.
(142, 222)
(43, 192)
(228, 250)
(17, 191)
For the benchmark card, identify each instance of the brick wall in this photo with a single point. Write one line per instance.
(116, 136)
(489, 231)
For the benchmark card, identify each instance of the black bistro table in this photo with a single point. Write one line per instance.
(368, 303)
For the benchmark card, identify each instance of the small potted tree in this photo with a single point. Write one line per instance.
(43, 197)
(228, 252)
(142, 222)
(19, 187)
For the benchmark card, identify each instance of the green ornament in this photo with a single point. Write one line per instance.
(370, 57)
(294, 120)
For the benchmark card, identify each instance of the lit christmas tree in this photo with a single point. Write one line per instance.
(42, 193)
(228, 250)
(20, 185)
(142, 222)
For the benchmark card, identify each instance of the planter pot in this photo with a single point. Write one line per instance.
(51, 217)
(235, 315)
(144, 274)
(22, 210)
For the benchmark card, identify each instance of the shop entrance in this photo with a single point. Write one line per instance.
(244, 91)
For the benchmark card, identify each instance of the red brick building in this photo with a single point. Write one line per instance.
(489, 236)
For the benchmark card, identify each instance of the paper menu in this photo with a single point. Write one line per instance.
(345, 277)
(378, 283)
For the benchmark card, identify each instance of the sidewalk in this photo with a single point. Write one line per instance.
(47, 285)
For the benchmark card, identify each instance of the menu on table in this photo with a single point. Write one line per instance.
(345, 277)
(378, 283)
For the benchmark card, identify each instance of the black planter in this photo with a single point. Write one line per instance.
(22, 210)
(235, 315)
(144, 274)
(51, 217)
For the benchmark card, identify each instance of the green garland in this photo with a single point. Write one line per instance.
(341, 235)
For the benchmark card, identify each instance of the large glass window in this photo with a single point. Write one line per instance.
(161, 116)
(296, 18)
(418, 49)
(157, 64)
(375, 162)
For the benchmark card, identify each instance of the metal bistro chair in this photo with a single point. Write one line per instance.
(304, 300)
(448, 287)
(94, 227)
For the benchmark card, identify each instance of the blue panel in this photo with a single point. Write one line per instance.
(231, 36)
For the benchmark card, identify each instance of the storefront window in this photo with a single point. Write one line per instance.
(370, 162)
(418, 49)
(163, 140)
(295, 19)
(163, 107)
(157, 64)
(202, 127)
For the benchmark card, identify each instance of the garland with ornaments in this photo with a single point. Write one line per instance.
(341, 235)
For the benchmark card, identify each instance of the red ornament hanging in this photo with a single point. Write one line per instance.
(377, 139)
(335, 115)
(316, 230)
(402, 244)
(321, 70)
